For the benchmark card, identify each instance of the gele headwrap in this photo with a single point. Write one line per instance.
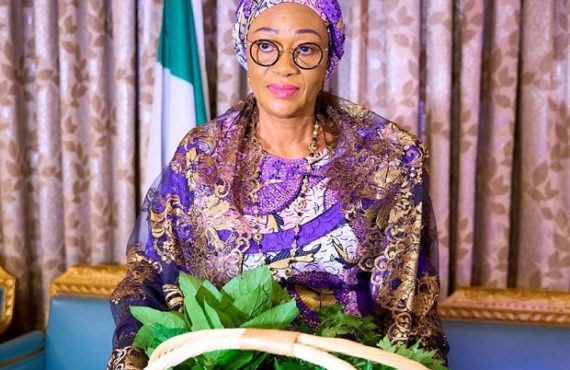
(328, 10)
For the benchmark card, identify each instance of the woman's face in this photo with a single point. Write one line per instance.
(284, 90)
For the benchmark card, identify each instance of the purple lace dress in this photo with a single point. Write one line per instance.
(366, 240)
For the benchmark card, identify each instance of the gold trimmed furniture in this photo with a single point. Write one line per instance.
(79, 328)
(7, 296)
(88, 280)
(507, 329)
(508, 305)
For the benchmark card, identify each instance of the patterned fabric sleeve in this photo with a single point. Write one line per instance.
(405, 281)
(154, 257)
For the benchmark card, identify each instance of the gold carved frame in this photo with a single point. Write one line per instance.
(503, 305)
(507, 305)
(88, 280)
(8, 284)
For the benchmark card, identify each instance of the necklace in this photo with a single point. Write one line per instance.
(257, 235)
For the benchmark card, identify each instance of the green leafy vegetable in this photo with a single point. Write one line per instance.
(248, 281)
(213, 317)
(255, 300)
(235, 359)
(278, 317)
(335, 323)
(424, 357)
(253, 303)
(144, 337)
(150, 316)
(195, 314)
(189, 284)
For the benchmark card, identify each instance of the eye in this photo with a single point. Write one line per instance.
(306, 50)
(265, 46)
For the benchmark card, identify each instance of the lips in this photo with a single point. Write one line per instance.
(283, 91)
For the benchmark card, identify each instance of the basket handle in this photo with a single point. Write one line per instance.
(310, 348)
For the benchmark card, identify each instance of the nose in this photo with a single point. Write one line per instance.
(285, 65)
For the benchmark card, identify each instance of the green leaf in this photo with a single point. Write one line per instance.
(186, 365)
(278, 317)
(202, 291)
(212, 317)
(303, 328)
(144, 337)
(386, 345)
(195, 314)
(158, 334)
(212, 289)
(189, 284)
(414, 352)
(225, 311)
(237, 317)
(162, 334)
(249, 281)
(335, 323)
(234, 359)
(286, 363)
(257, 361)
(253, 303)
(280, 294)
(209, 363)
(206, 294)
(198, 366)
(199, 321)
(150, 316)
(226, 320)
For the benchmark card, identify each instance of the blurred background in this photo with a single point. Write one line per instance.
(485, 83)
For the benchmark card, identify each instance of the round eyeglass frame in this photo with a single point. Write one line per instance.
(281, 50)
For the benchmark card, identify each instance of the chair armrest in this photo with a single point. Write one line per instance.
(25, 352)
(7, 290)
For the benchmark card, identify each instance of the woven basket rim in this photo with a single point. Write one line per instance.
(311, 348)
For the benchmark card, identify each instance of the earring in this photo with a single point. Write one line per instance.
(248, 80)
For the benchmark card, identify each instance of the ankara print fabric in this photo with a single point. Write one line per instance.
(367, 238)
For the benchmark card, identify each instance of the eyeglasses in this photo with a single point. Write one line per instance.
(267, 52)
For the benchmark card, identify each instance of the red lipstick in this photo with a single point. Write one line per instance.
(283, 91)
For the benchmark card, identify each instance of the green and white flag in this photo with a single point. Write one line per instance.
(180, 86)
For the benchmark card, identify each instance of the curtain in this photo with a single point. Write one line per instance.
(75, 85)
(485, 83)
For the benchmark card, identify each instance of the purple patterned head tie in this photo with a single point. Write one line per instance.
(328, 10)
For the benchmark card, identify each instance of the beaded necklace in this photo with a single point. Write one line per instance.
(257, 236)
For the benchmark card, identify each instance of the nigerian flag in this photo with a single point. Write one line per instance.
(180, 93)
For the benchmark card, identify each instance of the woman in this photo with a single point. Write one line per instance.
(329, 195)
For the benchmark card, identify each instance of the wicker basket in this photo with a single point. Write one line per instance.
(311, 348)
